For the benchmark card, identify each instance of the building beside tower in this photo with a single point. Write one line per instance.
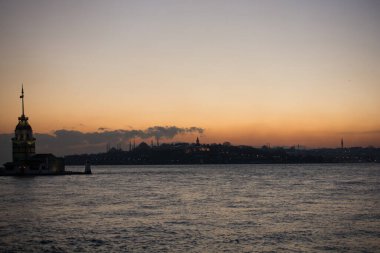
(25, 161)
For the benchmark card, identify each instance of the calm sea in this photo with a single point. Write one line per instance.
(211, 208)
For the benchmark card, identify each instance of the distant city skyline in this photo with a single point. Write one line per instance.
(248, 72)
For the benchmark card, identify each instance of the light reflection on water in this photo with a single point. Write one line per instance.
(211, 208)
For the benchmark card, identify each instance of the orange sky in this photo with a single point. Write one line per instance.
(256, 72)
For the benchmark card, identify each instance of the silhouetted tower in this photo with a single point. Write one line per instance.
(197, 143)
(341, 143)
(130, 145)
(23, 144)
(158, 143)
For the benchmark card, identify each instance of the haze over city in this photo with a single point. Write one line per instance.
(247, 72)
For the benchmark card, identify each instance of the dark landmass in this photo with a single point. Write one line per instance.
(185, 153)
(65, 173)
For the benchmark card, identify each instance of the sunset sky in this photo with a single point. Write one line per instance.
(249, 72)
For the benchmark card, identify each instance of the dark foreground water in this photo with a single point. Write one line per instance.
(231, 208)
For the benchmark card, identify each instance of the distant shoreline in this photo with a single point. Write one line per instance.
(221, 154)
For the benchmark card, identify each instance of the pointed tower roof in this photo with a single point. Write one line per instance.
(22, 100)
(23, 123)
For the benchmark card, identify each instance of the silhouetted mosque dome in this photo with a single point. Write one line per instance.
(143, 146)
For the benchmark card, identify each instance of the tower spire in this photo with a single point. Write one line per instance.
(22, 99)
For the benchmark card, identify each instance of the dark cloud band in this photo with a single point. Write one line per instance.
(63, 142)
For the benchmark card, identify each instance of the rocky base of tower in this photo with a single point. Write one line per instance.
(4, 173)
(39, 164)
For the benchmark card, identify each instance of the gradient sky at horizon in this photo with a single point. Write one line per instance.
(250, 72)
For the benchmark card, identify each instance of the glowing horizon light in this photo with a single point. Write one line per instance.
(284, 72)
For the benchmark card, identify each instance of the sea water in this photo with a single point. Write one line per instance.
(195, 208)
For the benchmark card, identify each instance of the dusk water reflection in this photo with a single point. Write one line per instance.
(210, 208)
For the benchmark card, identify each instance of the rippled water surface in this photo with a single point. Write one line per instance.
(212, 208)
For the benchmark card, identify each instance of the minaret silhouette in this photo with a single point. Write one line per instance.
(197, 142)
(341, 143)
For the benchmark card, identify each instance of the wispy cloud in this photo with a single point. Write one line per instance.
(376, 131)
